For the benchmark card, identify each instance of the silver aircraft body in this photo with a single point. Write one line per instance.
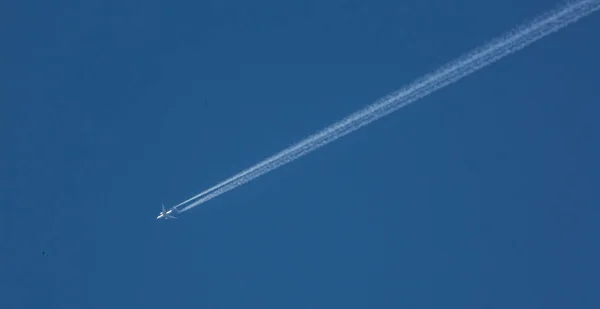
(166, 214)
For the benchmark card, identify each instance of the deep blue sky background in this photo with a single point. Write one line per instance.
(483, 195)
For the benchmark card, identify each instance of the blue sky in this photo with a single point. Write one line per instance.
(483, 195)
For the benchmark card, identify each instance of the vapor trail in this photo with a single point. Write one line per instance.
(196, 196)
(469, 63)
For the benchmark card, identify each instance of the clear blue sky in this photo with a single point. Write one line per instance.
(483, 195)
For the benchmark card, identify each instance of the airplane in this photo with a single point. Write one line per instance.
(166, 214)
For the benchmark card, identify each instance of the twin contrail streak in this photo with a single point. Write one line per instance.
(444, 76)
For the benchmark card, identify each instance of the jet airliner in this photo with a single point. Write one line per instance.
(166, 214)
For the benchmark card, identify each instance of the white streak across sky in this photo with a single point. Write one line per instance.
(473, 61)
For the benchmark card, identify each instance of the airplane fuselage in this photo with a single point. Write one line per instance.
(165, 214)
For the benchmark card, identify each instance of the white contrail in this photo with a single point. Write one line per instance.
(446, 75)
(197, 196)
